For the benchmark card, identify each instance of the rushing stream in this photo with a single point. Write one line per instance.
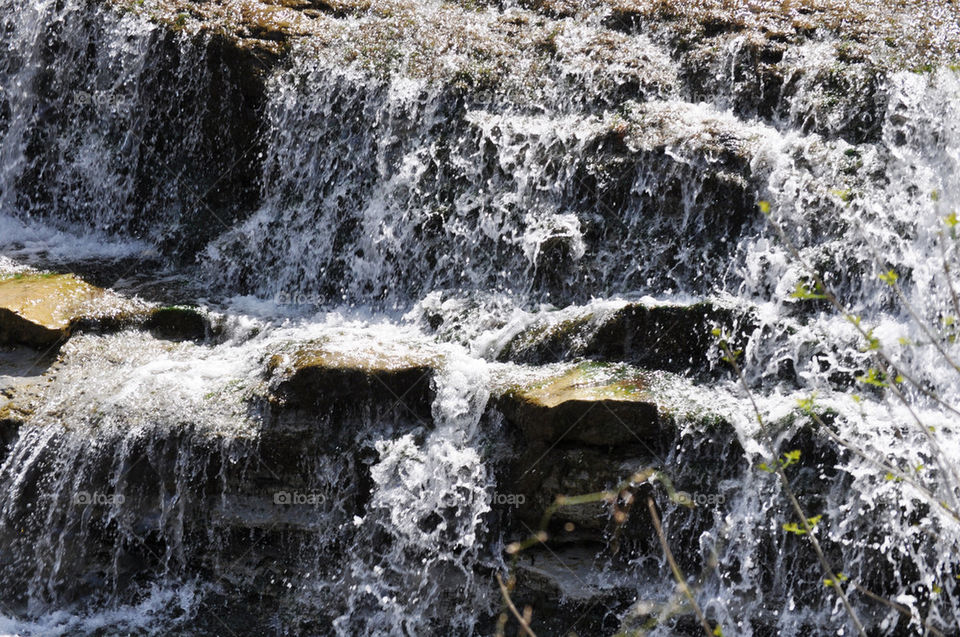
(396, 217)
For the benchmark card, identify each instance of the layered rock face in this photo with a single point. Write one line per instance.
(290, 480)
(555, 140)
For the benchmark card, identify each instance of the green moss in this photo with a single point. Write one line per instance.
(30, 276)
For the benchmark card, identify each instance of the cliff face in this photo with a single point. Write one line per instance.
(476, 267)
(226, 128)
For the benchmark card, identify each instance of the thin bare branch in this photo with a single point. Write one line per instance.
(677, 573)
(524, 623)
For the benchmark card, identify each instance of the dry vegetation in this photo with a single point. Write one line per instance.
(381, 33)
(928, 29)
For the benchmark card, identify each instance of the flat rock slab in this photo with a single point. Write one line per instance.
(40, 310)
(21, 380)
(670, 337)
(590, 404)
(328, 376)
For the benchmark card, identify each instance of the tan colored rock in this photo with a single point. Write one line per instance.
(585, 405)
(328, 377)
(40, 310)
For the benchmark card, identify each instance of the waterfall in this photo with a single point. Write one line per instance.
(387, 247)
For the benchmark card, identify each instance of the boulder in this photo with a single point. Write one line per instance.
(42, 309)
(178, 323)
(583, 406)
(321, 377)
(670, 337)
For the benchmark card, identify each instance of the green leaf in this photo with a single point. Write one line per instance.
(951, 219)
(717, 631)
(802, 292)
(764, 207)
(840, 577)
(889, 277)
(791, 527)
(872, 377)
(807, 404)
(844, 195)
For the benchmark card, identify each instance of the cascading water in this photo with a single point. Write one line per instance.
(477, 219)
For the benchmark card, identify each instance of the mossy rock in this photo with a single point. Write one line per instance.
(42, 309)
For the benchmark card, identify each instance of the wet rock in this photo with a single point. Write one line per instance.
(321, 378)
(21, 383)
(755, 61)
(41, 310)
(9, 429)
(582, 431)
(669, 337)
(342, 401)
(577, 409)
(568, 593)
(179, 323)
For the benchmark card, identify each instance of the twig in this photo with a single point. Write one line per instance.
(513, 609)
(677, 573)
(785, 482)
(897, 607)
